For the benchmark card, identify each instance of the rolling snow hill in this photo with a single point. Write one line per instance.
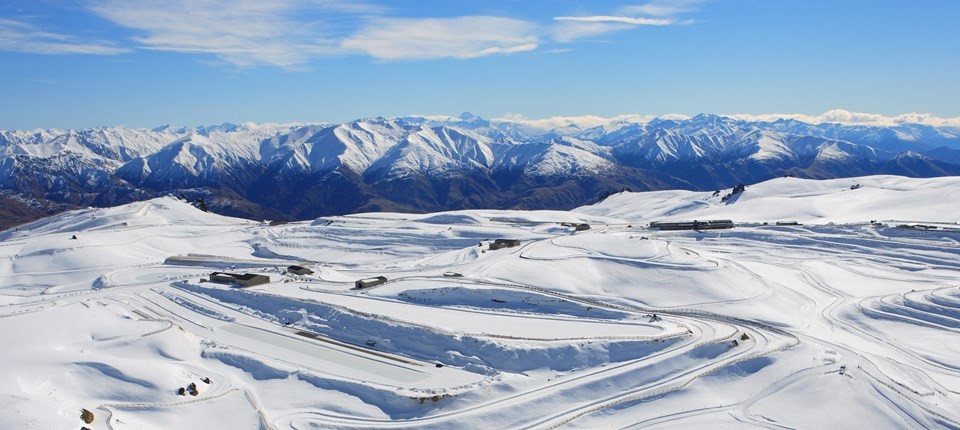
(830, 322)
(848, 200)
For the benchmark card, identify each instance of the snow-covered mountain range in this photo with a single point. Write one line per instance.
(421, 164)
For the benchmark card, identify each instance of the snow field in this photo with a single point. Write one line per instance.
(811, 326)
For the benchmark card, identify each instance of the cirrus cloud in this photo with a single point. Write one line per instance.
(244, 33)
(617, 19)
(432, 38)
(654, 13)
(662, 8)
(20, 36)
(290, 34)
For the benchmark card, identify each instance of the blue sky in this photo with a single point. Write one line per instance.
(142, 63)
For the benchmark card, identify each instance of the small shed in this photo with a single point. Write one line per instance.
(299, 270)
(504, 243)
(251, 279)
(370, 282)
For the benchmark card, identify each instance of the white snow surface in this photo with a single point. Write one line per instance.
(839, 322)
(795, 199)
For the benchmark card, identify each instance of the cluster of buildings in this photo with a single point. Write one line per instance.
(252, 279)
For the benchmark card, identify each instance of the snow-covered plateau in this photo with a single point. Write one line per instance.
(830, 304)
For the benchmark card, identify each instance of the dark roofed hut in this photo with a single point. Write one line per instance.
(504, 243)
(252, 279)
(370, 282)
(299, 270)
(223, 278)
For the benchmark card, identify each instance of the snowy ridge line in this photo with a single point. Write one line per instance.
(105, 281)
(904, 395)
(199, 260)
(921, 222)
(480, 309)
(508, 337)
(855, 328)
(146, 317)
(641, 395)
(487, 335)
(197, 323)
(544, 291)
(940, 296)
(881, 313)
(950, 310)
(916, 310)
(537, 393)
(133, 405)
(170, 325)
(601, 256)
(677, 312)
(323, 338)
(932, 391)
(831, 240)
(724, 318)
(828, 314)
(194, 306)
(553, 293)
(745, 403)
(29, 310)
(928, 243)
(253, 404)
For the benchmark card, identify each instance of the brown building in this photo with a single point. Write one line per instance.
(299, 270)
(244, 280)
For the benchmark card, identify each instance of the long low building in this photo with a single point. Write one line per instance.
(717, 224)
(244, 280)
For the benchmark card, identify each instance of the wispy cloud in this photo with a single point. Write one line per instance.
(662, 8)
(290, 34)
(617, 19)
(19, 36)
(430, 38)
(654, 13)
(244, 33)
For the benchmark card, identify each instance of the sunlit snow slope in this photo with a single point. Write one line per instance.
(848, 317)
